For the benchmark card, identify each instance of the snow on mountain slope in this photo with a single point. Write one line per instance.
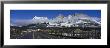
(62, 20)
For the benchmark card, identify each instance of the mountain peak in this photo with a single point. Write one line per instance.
(40, 18)
(77, 18)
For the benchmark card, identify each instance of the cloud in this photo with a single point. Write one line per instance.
(22, 22)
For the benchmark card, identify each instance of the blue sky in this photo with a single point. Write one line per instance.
(29, 14)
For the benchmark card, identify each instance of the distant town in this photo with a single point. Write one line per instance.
(75, 26)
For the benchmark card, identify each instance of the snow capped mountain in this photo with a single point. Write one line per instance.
(76, 19)
(37, 19)
(97, 20)
(41, 18)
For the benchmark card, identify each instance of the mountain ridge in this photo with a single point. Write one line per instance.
(68, 21)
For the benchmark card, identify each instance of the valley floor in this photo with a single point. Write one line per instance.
(56, 33)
